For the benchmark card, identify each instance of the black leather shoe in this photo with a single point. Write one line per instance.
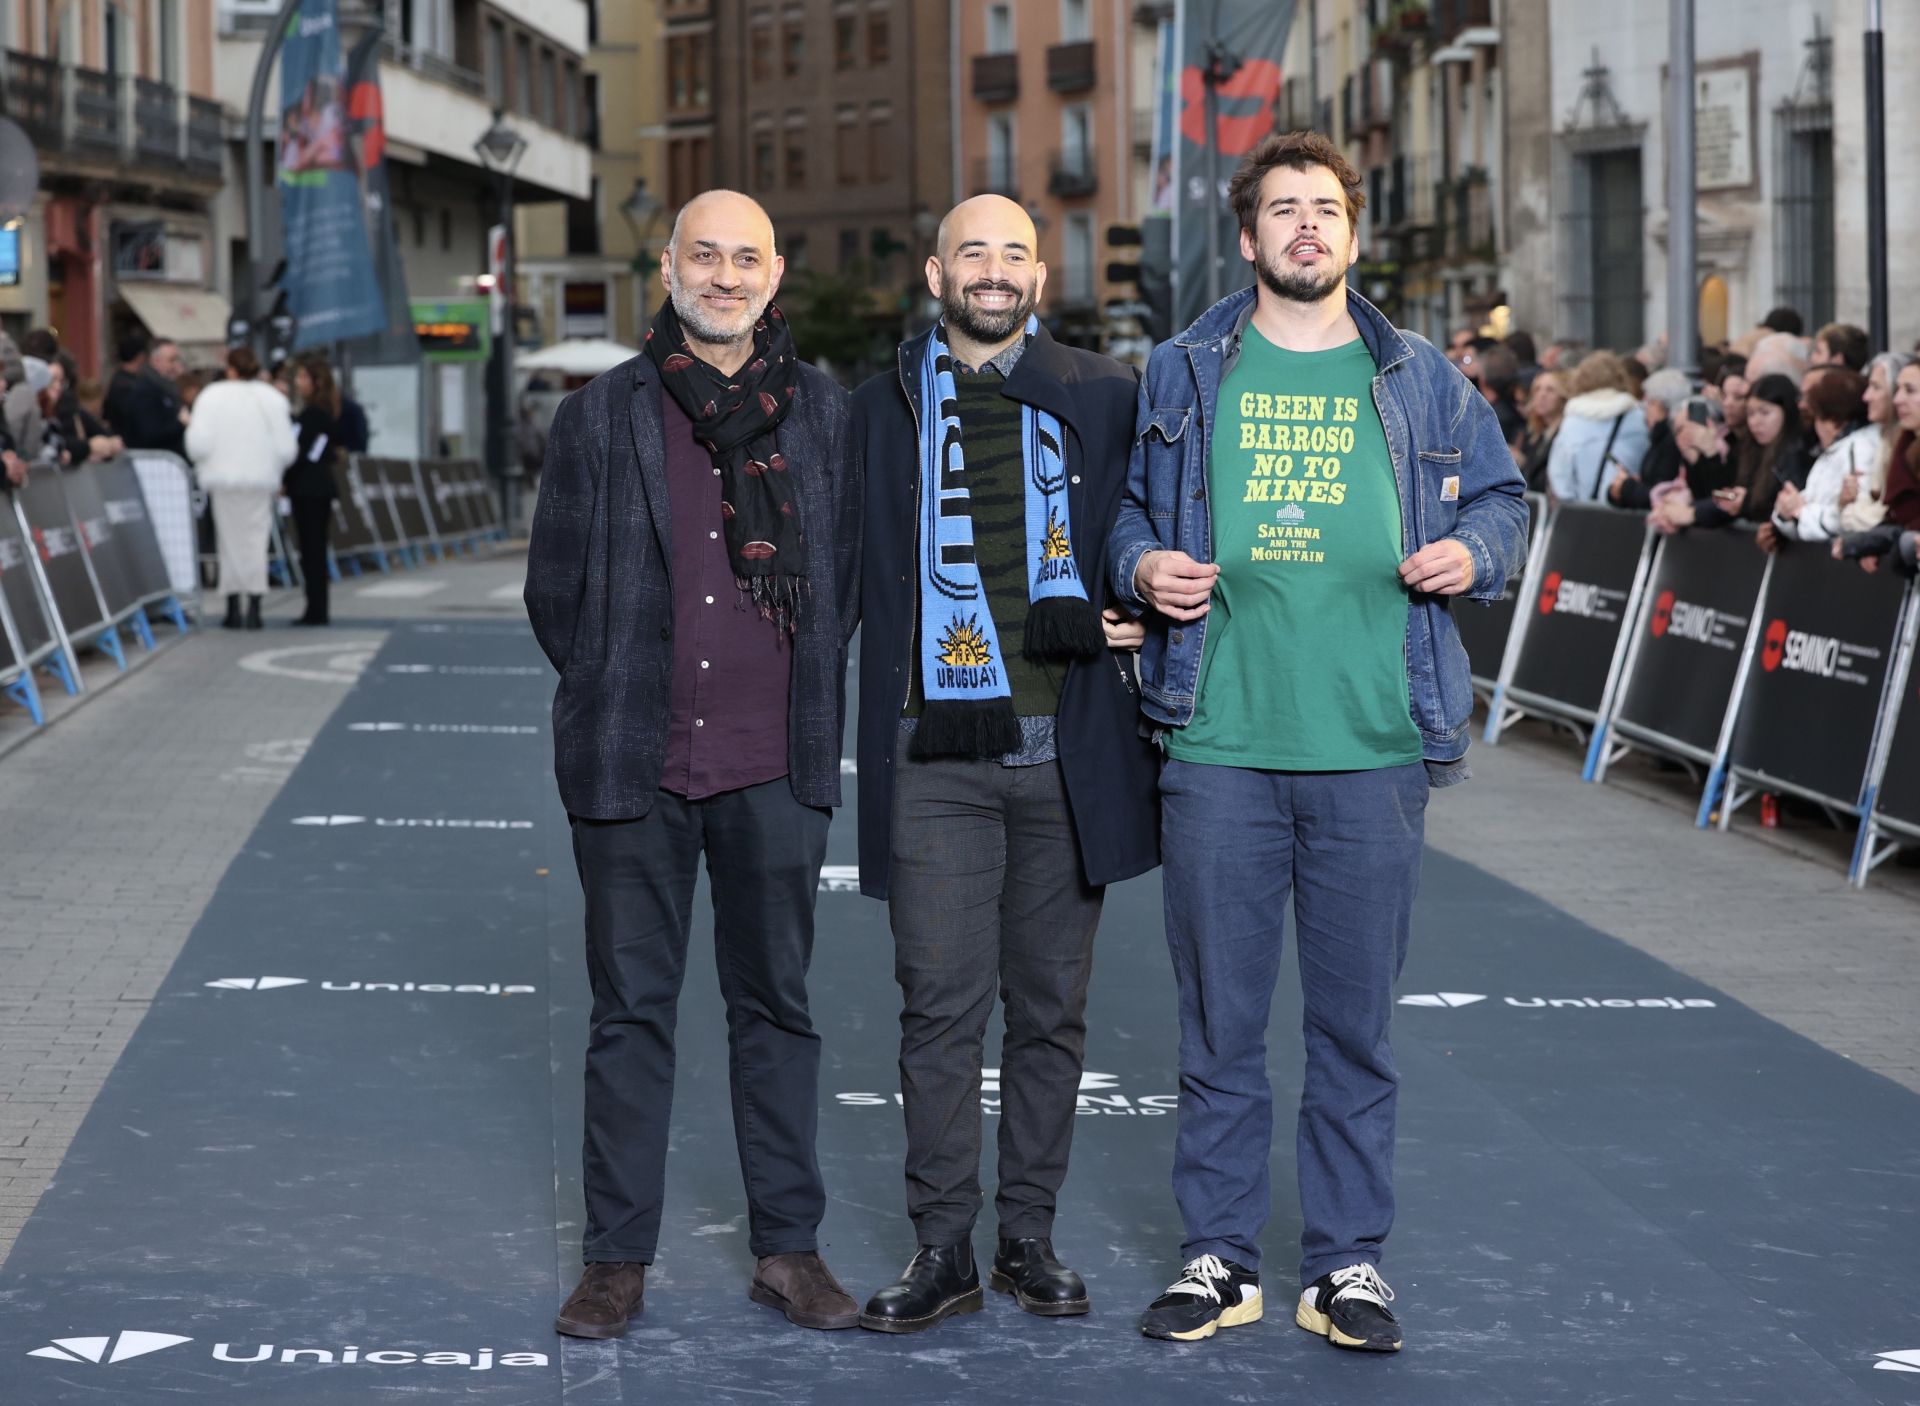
(253, 613)
(1038, 1282)
(232, 622)
(941, 1280)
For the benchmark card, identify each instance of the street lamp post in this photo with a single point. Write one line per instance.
(500, 148)
(641, 210)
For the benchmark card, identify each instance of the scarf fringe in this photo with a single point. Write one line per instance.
(1063, 627)
(978, 729)
(776, 597)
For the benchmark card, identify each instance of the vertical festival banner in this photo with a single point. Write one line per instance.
(1241, 43)
(329, 282)
(366, 121)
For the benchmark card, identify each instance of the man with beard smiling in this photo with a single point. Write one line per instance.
(692, 574)
(1003, 779)
(1309, 489)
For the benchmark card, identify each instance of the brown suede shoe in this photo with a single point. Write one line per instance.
(602, 1302)
(804, 1289)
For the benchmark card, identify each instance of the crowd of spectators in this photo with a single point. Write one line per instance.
(1803, 439)
(274, 432)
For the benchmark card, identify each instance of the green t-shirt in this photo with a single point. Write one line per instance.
(1304, 667)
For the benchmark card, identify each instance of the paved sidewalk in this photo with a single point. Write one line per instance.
(118, 820)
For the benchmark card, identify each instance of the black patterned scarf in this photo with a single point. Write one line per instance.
(734, 420)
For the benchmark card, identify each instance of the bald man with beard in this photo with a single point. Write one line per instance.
(693, 576)
(1003, 779)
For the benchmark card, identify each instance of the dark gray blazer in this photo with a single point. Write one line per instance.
(600, 589)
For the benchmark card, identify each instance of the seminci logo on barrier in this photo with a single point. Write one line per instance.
(1100, 1096)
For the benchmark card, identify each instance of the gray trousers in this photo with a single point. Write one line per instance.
(988, 894)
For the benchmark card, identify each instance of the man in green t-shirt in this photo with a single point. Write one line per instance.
(1308, 487)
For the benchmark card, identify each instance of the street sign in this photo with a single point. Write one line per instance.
(453, 330)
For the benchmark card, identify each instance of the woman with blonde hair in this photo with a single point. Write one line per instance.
(1602, 431)
(1867, 508)
(1546, 406)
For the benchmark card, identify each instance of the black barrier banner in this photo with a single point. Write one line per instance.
(1900, 783)
(1484, 629)
(1703, 590)
(132, 526)
(404, 494)
(481, 506)
(446, 500)
(105, 548)
(1579, 605)
(1811, 700)
(352, 531)
(49, 526)
(369, 495)
(22, 596)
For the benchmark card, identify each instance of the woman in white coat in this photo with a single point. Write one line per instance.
(241, 440)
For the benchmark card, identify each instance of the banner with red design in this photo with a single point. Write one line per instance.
(1813, 694)
(1241, 43)
(1577, 610)
(1687, 660)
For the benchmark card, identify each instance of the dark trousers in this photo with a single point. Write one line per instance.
(764, 850)
(987, 894)
(1346, 847)
(312, 517)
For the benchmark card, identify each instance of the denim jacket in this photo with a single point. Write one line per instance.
(1438, 427)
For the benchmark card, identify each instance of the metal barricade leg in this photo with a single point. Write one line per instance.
(110, 645)
(26, 693)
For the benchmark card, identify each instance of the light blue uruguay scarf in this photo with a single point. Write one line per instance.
(969, 706)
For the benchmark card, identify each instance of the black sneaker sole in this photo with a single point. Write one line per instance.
(1040, 1308)
(1315, 1322)
(826, 1322)
(1233, 1316)
(972, 1301)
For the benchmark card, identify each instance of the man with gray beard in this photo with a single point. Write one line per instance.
(1003, 779)
(693, 577)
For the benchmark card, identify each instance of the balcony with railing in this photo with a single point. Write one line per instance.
(156, 121)
(1072, 173)
(995, 175)
(996, 77)
(33, 95)
(1452, 17)
(111, 117)
(97, 107)
(1070, 67)
(1465, 217)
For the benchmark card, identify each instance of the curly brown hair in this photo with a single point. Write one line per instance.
(1293, 151)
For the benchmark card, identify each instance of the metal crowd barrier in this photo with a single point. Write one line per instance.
(1786, 672)
(81, 555)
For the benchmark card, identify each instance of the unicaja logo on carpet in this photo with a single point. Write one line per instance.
(425, 988)
(1904, 1360)
(1453, 1000)
(112, 1348)
(127, 1344)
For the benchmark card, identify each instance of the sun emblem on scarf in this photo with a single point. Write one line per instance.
(1055, 544)
(964, 645)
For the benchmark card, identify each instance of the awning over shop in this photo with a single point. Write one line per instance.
(193, 317)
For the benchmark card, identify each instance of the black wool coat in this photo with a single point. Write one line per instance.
(600, 589)
(1112, 772)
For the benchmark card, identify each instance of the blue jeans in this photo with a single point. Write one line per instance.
(1346, 845)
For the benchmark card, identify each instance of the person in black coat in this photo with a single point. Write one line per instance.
(143, 402)
(309, 481)
(1004, 781)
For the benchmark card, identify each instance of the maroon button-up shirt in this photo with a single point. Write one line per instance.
(730, 665)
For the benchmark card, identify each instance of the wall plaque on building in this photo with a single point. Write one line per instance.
(1723, 127)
